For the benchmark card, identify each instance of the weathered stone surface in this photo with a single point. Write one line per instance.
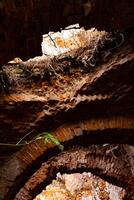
(102, 159)
(83, 186)
(112, 162)
(39, 90)
(83, 97)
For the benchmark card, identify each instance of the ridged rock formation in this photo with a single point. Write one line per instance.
(82, 97)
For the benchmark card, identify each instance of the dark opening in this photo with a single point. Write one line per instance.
(35, 18)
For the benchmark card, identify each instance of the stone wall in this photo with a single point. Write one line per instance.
(22, 22)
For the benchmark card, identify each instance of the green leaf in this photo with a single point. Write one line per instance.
(49, 138)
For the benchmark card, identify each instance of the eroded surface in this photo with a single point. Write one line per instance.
(78, 186)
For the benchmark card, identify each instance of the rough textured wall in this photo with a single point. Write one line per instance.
(22, 22)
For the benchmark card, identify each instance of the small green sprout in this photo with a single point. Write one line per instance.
(49, 138)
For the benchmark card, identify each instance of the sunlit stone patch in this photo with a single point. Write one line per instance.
(78, 186)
